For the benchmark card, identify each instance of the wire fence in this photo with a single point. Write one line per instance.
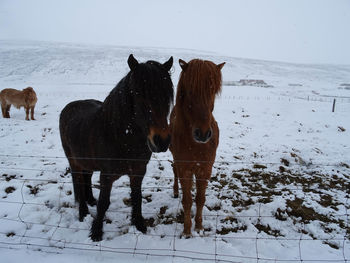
(223, 162)
(254, 165)
(50, 243)
(223, 97)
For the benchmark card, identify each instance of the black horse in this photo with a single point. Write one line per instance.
(117, 137)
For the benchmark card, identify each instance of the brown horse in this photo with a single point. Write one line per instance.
(194, 133)
(19, 98)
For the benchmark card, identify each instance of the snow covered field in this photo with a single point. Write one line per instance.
(279, 188)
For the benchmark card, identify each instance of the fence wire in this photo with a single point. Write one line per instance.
(289, 97)
(50, 242)
(224, 162)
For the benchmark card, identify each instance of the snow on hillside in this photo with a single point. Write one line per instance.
(279, 188)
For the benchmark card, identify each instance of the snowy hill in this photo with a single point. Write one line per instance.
(63, 63)
(279, 188)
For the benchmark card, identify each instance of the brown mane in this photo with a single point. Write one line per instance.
(195, 77)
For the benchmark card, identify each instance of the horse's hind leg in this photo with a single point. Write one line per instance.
(27, 113)
(79, 192)
(88, 190)
(201, 185)
(32, 113)
(106, 183)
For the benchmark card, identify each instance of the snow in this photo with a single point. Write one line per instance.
(279, 187)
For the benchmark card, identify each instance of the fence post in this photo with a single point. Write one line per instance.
(333, 108)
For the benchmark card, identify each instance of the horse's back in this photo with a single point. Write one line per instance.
(11, 96)
(79, 110)
(76, 119)
(6, 92)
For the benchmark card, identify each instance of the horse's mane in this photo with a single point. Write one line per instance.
(154, 84)
(201, 79)
(149, 82)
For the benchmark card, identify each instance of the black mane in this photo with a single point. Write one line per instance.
(150, 83)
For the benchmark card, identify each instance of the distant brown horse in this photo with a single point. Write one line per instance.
(19, 98)
(194, 133)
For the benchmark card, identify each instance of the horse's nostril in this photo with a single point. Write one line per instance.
(197, 133)
(209, 134)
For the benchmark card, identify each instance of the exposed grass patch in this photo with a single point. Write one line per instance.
(259, 166)
(8, 177)
(9, 190)
(243, 189)
(230, 224)
(268, 230)
(10, 234)
(33, 190)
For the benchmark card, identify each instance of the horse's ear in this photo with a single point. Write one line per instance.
(220, 66)
(167, 65)
(132, 62)
(183, 64)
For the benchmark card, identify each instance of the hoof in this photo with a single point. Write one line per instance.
(82, 214)
(96, 232)
(96, 237)
(142, 228)
(92, 201)
(198, 227)
(186, 235)
(200, 231)
(140, 225)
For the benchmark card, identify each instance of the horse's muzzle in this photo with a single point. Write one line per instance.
(201, 137)
(158, 144)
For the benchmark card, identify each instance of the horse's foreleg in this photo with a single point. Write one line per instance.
(3, 110)
(201, 185)
(6, 111)
(102, 206)
(176, 182)
(186, 186)
(136, 200)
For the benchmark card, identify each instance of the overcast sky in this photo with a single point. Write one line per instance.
(307, 31)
